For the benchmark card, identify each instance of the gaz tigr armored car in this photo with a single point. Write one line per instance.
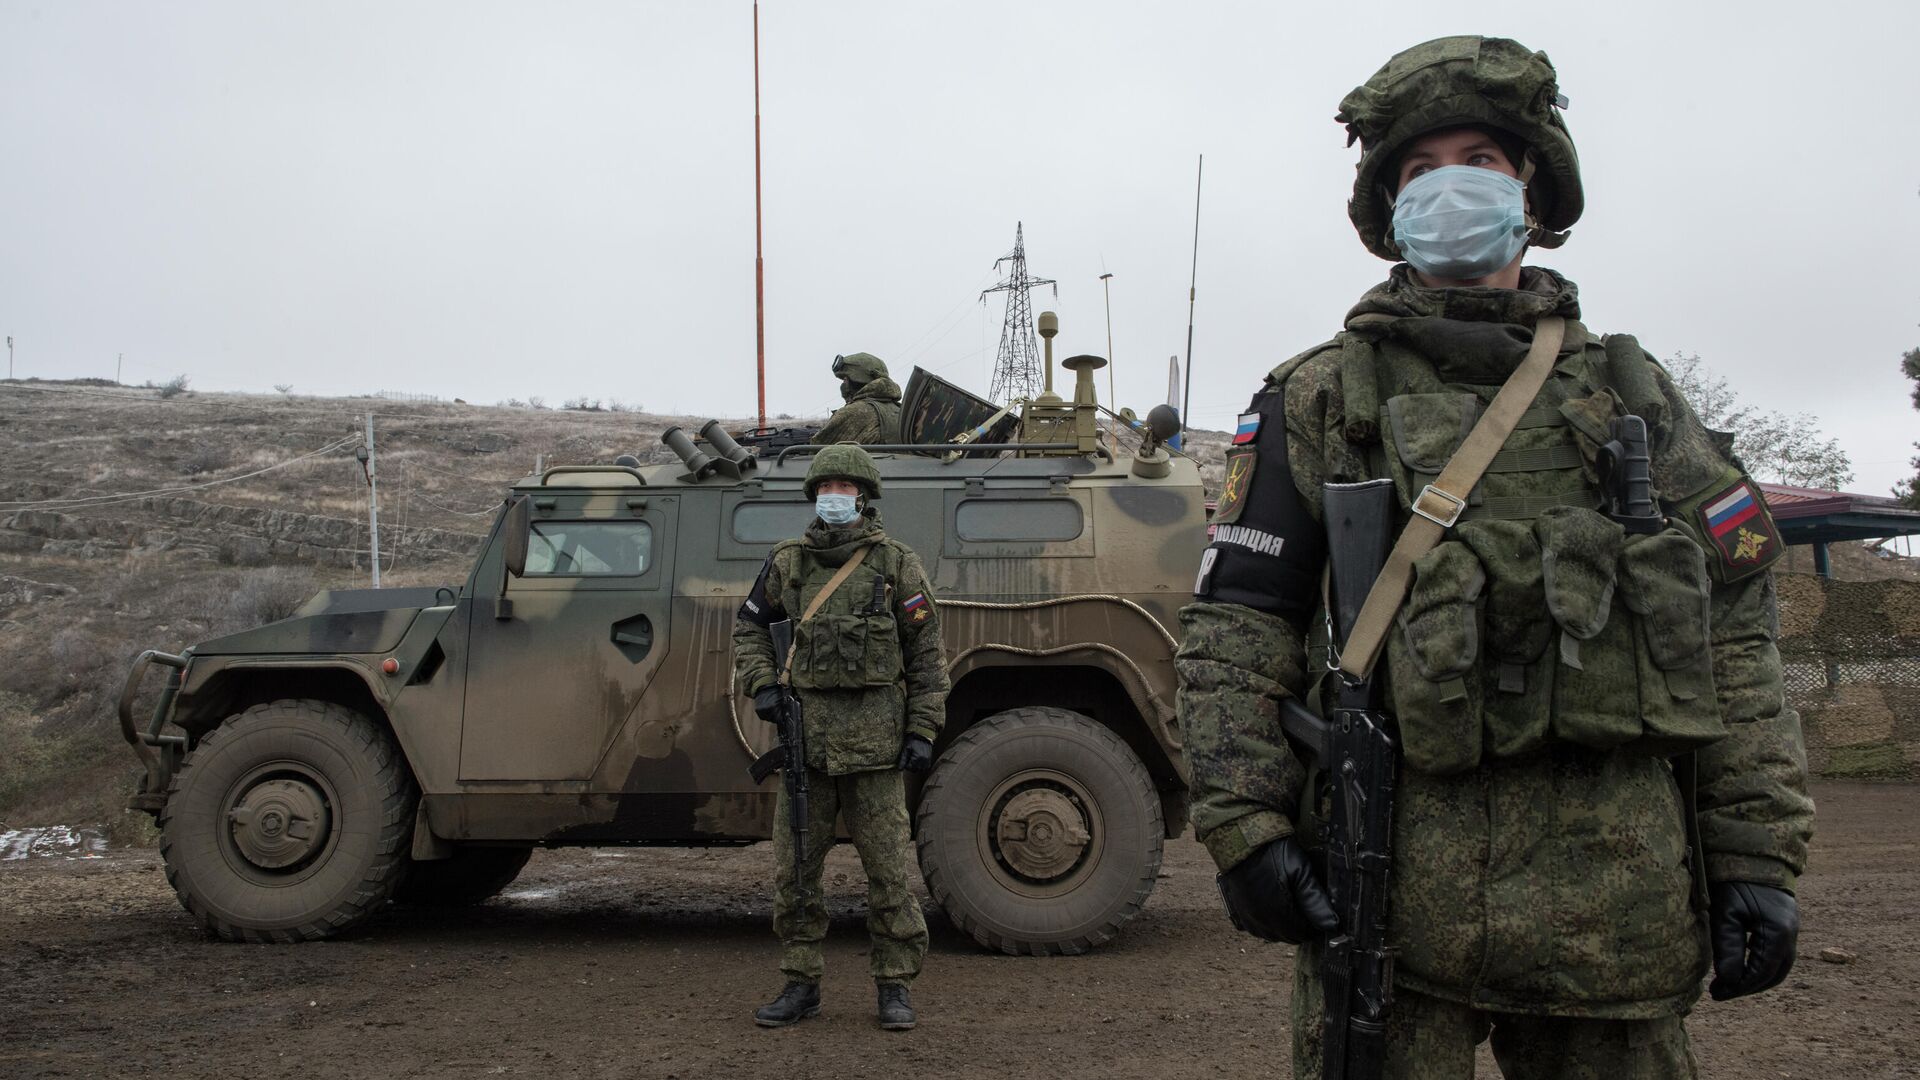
(576, 689)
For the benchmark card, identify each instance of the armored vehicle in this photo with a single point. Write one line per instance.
(415, 744)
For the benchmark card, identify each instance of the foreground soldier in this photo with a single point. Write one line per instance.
(873, 685)
(872, 410)
(1545, 666)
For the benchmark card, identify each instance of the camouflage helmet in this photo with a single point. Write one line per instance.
(843, 461)
(859, 368)
(1462, 81)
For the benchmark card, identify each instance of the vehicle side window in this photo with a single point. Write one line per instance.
(589, 549)
(770, 522)
(1018, 519)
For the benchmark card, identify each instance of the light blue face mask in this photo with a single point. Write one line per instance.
(836, 509)
(1460, 221)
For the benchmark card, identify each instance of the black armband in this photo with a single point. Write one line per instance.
(1267, 548)
(757, 608)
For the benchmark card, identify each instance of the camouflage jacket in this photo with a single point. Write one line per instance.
(1541, 872)
(871, 415)
(868, 665)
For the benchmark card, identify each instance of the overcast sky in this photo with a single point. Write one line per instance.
(501, 200)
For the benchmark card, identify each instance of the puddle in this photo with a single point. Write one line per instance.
(53, 842)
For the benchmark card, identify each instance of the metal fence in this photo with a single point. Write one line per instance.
(1850, 652)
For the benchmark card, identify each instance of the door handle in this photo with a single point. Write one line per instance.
(634, 637)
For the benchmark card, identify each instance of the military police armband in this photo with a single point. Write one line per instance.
(756, 608)
(1267, 548)
(1729, 518)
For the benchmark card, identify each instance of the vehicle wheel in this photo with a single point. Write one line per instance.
(471, 875)
(289, 822)
(1039, 832)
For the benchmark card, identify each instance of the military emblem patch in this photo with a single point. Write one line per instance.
(916, 607)
(1743, 534)
(1233, 490)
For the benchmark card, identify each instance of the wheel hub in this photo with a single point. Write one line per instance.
(278, 823)
(1042, 833)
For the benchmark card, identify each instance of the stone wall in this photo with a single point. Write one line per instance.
(1851, 654)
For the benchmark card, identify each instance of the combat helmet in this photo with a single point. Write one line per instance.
(1449, 82)
(859, 368)
(843, 461)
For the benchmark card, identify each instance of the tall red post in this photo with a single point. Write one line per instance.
(759, 260)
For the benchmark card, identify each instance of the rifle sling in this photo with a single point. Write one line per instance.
(1439, 505)
(838, 579)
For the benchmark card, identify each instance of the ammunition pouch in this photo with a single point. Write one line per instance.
(853, 643)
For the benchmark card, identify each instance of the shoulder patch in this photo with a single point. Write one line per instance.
(1246, 428)
(1732, 517)
(1233, 490)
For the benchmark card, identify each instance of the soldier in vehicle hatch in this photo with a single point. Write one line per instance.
(1572, 697)
(867, 666)
(872, 410)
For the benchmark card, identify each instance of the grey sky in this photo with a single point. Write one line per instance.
(492, 200)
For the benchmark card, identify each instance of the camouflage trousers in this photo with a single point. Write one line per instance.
(874, 806)
(1432, 1039)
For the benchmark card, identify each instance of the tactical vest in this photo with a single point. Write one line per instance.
(852, 642)
(1537, 618)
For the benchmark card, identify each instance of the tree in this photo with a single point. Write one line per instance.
(1908, 491)
(1775, 446)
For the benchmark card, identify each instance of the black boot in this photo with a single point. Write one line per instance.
(797, 1002)
(896, 1011)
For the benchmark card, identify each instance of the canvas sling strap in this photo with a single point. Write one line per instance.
(1439, 505)
(838, 579)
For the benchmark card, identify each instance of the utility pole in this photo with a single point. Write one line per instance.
(367, 465)
(119, 366)
(9, 356)
(759, 259)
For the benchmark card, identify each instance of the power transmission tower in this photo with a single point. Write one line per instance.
(1016, 370)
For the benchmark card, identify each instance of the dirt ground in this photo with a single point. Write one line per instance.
(648, 962)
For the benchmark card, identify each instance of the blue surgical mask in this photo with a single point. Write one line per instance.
(1460, 221)
(836, 509)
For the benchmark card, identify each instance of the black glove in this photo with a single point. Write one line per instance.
(1755, 931)
(916, 755)
(1273, 894)
(766, 703)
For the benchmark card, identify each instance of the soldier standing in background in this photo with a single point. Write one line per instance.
(1559, 684)
(872, 410)
(873, 685)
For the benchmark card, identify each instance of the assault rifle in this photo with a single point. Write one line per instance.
(1358, 749)
(790, 757)
(765, 441)
(1626, 476)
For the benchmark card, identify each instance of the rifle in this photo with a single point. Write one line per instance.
(773, 440)
(1357, 746)
(1625, 470)
(790, 757)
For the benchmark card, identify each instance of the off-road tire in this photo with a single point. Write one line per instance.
(956, 849)
(356, 775)
(471, 876)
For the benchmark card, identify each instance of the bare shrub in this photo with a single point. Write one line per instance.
(269, 595)
(286, 389)
(205, 458)
(173, 387)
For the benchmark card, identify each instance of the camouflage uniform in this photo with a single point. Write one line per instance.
(1543, 669)
(869, 671)
(872, 412)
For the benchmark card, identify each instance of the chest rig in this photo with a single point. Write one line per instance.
(852, 641)
(1537, 618)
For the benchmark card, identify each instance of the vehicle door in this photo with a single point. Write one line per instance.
(585, 630)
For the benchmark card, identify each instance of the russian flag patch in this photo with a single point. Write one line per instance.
(1741, 531)
(915, 606)
(1247, 428)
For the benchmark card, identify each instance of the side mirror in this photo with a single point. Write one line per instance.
(519, 529)
(513, 560)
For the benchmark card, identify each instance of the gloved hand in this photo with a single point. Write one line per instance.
(766, 703)
(916, 755)
(1755, 931)
(1273, 894)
